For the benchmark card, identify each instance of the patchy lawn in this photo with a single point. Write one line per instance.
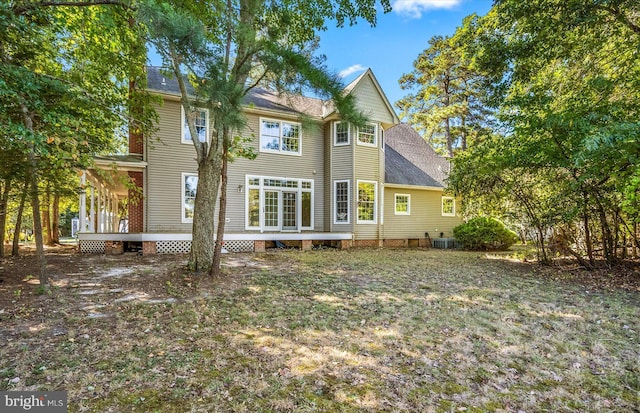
(359, 330)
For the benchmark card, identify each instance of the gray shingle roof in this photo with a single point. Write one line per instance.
(410, 160)
(158, 80)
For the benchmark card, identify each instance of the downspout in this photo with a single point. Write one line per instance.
(381, 191)
(354, 187)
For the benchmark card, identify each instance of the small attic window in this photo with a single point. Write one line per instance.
(163, 82)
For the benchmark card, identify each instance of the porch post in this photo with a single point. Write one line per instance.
(99, 211)
(109, 212)
(92, 211)
(116, 208)
(107, 216)
(83, 202)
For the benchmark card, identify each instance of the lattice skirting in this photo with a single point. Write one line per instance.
(183, 247)
(238, 246)
(173, 247)
(92, 247)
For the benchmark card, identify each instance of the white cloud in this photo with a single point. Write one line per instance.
(351, 69)
(414, 8)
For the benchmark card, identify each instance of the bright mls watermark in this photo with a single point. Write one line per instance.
(33, 401)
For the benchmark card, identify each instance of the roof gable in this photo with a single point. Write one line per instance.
(371, 99)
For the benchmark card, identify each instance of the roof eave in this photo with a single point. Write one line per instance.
(417, 187)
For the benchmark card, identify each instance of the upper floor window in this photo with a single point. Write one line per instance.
(448, 206)
(280, 137)
(403, 204)
(367, 135)
(341, 133)
(201, 122)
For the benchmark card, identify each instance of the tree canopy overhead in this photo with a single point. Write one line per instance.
(64, 90)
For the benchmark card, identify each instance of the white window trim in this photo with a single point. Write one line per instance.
(335, 134)
(184, 219)
(261, 187)
(182, 125)
(280, 151)
(452, 214)
(375, 202)
(335, 184)
(395, 204)
(375, 136)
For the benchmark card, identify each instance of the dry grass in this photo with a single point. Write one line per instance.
(360, 330)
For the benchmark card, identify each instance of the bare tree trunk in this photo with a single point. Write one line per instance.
(543, 251)
(35, 201)
(201, 256)
(55, 219)
(4, 204)
(46, 215)
(216, 269)
(635, 240)
(607, 237)
(15, 249)
(587, 237)
(447, 120)
(463, 135)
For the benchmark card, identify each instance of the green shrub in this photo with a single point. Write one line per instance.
(484, 233)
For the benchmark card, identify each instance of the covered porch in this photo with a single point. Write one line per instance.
(107, 193)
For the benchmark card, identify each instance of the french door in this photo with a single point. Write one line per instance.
(289, 211)
(280, 212)
(279, 204)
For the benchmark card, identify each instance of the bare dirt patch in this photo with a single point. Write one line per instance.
(365, 330)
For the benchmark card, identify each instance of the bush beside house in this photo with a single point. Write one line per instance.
(483, 233)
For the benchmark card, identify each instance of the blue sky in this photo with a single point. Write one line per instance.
(391, 47)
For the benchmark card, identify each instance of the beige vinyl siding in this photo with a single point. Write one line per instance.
(309, 165)
(328, 143)
(341, 170)
(167, 159)
(425, 215)
(371, 103)
(368, 168)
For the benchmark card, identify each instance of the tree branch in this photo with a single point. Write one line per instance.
(621, 17)
(23, 8)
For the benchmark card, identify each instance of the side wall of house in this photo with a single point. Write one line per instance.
(167, 160)
(309, 165)
(369, 161)
(425, 215)
(340, 169)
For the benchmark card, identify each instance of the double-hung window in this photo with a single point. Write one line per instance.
(201, 122)
(367, 135)
(189, 186)
(280, 137)
(448, 206)
(341, 133)
(367, 195)
(341, 200)
(403, 204)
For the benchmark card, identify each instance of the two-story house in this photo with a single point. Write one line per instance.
(316, 179)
